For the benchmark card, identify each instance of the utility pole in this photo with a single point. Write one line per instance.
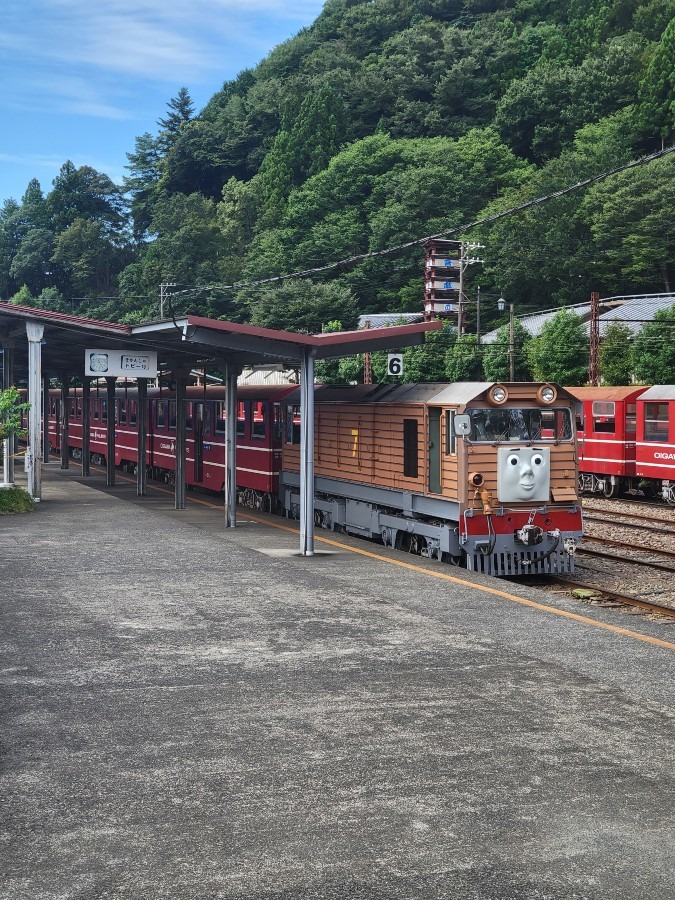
(464, 261)
(163, 293)
(367, 361)
(593, 358)
(512, 346)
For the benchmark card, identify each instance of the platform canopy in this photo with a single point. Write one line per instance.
(40, 344)
(191, 341)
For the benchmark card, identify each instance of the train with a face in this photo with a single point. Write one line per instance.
(476, 474)
(627, 441)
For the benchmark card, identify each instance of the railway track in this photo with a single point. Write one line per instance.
(616, 598)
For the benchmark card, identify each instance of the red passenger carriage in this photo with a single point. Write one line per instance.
(627, 440)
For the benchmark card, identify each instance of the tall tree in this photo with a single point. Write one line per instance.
(497, 356)
(654, 349)
(616, 366)
(560, 352)
(180, 113)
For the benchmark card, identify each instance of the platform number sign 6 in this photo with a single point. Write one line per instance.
(395, 364)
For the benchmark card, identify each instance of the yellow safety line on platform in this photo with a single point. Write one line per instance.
(626, 632)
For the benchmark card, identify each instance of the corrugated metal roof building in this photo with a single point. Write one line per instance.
(633, 311)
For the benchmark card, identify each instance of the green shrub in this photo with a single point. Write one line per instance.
(15, 500)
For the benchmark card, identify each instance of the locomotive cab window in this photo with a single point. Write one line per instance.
(520, 424)
(450, 436)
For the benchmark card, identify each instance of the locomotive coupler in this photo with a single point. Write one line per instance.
(570, 545)
(530, 535)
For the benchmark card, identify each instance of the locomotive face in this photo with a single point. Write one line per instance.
(523, 473)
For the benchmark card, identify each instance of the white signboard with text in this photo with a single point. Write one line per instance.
(120, 363)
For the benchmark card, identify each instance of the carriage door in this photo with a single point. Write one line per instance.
(434, 449)
(198, 431)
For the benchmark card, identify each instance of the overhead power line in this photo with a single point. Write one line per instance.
(486, 220)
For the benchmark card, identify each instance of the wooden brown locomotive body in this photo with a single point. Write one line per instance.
(480, 474)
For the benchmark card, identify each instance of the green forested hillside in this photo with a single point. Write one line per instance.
(385, 121)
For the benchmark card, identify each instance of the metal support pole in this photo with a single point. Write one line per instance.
(512, 346)
(34, 332)
(64, 422)
(142, 422)
(8, 445)
(179, 493)
(231, 375)
(110, 434)
(307, 454)
(86, 427)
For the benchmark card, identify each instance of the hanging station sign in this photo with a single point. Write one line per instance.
(120, 363)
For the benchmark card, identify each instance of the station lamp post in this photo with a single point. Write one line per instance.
(501, 306)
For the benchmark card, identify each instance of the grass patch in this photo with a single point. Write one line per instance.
(15, 500)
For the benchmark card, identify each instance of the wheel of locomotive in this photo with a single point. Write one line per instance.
(670, 495)
(610, 489)
(451, 559)
(581, 484)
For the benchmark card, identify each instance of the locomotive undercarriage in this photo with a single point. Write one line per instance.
(417, 527)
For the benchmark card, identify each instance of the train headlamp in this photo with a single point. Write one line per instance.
(547, 394)
(498, 394)
(475, 479)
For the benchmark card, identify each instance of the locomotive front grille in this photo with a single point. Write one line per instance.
(527, 562)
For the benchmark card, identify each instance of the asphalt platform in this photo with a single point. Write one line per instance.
(189, 712)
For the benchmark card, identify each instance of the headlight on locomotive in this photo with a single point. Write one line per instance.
(547, 394)
(498, 394)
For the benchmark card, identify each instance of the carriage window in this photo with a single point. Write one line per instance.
(161, 413)
(520, 424)
(220, 417)
(189, 412)
(292, 424)
(603, 416)
(410, 448)
(208, 407)
(132, 412)
(259, 420)
(241, 417)
(278, 427)
(172, 414)
(78, 408)
(450, 437)
(71, 407)
(656, 422)
(123, 412)
(94, 411)
(104, 410)
(631, 419)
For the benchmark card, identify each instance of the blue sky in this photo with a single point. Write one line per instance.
(81, 79)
